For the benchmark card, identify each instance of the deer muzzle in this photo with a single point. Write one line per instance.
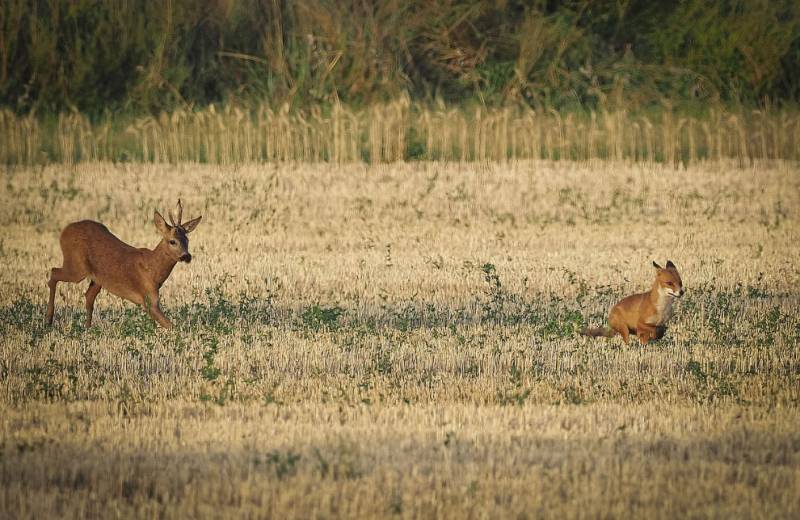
(186, 257)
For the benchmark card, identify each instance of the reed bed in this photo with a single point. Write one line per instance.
(400, 130)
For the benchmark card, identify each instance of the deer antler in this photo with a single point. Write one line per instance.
(180, 212)
(176, 222)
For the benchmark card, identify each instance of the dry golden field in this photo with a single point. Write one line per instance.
(400, 340)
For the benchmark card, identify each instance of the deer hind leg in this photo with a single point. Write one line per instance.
(91, 294)
(61, 274)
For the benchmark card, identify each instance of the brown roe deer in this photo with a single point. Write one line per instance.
(91, 251)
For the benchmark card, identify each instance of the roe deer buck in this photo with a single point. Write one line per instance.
(91, 250)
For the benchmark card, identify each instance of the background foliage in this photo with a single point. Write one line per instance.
(137, 57)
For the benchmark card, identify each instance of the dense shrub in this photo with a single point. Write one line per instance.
(115, 55)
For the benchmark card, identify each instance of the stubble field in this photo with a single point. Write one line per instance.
(401, 340)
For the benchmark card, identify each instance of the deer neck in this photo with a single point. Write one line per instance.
(160, 263)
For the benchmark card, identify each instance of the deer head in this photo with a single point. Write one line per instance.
(175, 233)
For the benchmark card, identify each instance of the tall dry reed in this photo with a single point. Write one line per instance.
(399, 130)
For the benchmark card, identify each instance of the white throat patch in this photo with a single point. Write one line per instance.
(664, 306)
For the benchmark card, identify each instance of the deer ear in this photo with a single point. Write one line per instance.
(656, 265)
(189, 226)
(670, 265)
(161, 224)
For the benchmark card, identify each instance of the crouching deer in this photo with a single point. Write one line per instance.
(91, 251)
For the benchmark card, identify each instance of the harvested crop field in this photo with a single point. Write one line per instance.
(402, 340)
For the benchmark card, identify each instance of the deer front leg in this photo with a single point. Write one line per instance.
(151, 303)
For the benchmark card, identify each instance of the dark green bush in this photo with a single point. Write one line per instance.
(97, 56)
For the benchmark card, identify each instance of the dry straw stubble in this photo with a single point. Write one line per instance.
(369, 341)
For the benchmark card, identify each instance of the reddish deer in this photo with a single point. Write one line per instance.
(91, 250)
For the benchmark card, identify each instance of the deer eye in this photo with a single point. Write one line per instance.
(172, 242)
(670, 283)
